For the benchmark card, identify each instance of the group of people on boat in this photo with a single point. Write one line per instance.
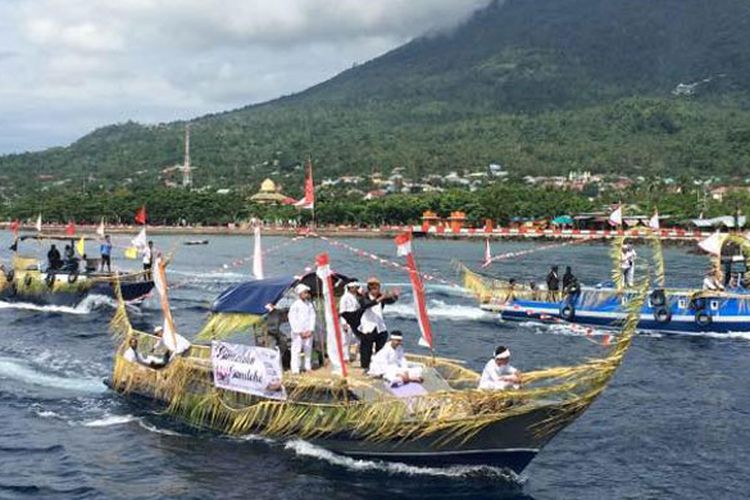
(70, 263)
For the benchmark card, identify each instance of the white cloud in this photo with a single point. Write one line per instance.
(69, 66)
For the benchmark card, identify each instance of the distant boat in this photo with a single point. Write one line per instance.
(196, 242)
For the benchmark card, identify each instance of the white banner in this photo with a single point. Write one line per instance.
(248, 369)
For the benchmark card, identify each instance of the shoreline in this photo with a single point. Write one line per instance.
(671, 236)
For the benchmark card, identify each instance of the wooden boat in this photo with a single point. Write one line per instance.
(196, 242)
(443, 421)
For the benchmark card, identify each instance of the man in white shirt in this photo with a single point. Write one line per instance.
(628, 264)
(390, 363)
(148, 260)
(498, 374)
(302, 323)
(374, 333)
(131, 354)
(350, 319)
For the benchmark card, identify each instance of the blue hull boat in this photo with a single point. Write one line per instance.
(668, 311)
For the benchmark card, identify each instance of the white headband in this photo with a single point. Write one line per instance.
(503, 355)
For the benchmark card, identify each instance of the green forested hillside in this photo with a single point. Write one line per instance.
(541, 86)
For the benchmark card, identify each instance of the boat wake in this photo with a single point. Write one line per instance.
(86, 306)
(18, 371)
(110, 420)
(305, 449)
(440, 310)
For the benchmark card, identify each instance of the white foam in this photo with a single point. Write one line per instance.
(110, 420)
(87, 305)
(157, 430)
(16, 370)
(306, 449)
(439, 310)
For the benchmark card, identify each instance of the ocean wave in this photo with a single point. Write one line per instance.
(110, 420)
(86, 306)
(307, 449)
(21, 372)
(438, 309)
(157, 430)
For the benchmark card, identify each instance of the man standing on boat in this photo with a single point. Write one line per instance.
(302, 323)
(628, 264)
(498, 374)
(374, 333)
(349, 310)
(148, 260)
(390, 363)
(105, 249)
(553, 285)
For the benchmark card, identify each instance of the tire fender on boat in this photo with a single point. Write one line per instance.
(27, 280)
(568, 312)
(50, 279)
(658, 298)
(703, 318)
(662, 315)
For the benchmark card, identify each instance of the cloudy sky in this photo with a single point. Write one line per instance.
(69, 66)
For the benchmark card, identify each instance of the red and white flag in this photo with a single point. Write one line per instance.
(14, 227)
(308, 202)
(140, 216)
(615, 218)
(403, 247)
(334, 340)
(100, 228)
(172, 340)
(257, 254)
(70, 229)
(487, 253)
(653, 223)
(39, 223)
(713, 243)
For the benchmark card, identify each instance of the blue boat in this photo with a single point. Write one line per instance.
(670, 311)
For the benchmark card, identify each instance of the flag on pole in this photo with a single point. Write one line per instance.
(100, 228)
(70, 229)
(140, 241)
(615, 218)
(140, 216)
(713, 243)
(653, 223)
(257, 254)
(308, 202)
(131, 253)
(39, 223)
(81, 246)
(14, 227)
(172, 340)
(403, 249)
(334, 340)
(487, 253)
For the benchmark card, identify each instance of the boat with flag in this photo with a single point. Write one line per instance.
(231, 379)
(721, 306)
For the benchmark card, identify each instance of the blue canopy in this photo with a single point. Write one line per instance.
(253, 296)
(563, 220)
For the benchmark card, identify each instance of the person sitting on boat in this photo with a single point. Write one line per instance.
(105, 250)
(511, 290)
(553, 284)
(571, 286)
(132, 355)
(372, 329)
(302, 323)
(534, 288)
(498, 374)
(351, 314)
(627, 264)
(160, 355)
(390, 363)
(148, 260)
(54, 260)
(712, 281)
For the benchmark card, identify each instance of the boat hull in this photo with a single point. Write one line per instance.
(131, 292)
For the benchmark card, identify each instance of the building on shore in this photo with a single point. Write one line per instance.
(270, 194)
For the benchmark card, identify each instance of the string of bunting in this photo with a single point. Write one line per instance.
(521, 253)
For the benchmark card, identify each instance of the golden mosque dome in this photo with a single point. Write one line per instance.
(268, 186)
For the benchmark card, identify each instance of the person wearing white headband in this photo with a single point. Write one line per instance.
(302, 323)
(351, 316)
(498, 374)
(390, 363)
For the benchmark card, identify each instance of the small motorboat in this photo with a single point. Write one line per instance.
(196, 242)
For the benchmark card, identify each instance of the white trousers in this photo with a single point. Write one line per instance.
(298, 345)
(630, 275)
(394, 375)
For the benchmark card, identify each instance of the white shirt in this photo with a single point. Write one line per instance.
(132, 355)
(302, 317)
(372, 319)
(492, 376)
(628, 259)
(147, 255)
(711, 283)
(388, 359)
(348, 303)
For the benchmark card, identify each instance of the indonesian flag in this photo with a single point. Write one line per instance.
(172, 340)
(487, 253)
(713, 243)
(308, 202)
(334, 341)
(100, 229)
(140, 241)
(70, 229)
(257, 254)
(39, 223)
(403, 249)
(140, 216)
(615, 218)
(653, 223)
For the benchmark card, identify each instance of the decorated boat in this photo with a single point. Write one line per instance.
(28, 280)
(242, 388)
(723, 309)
